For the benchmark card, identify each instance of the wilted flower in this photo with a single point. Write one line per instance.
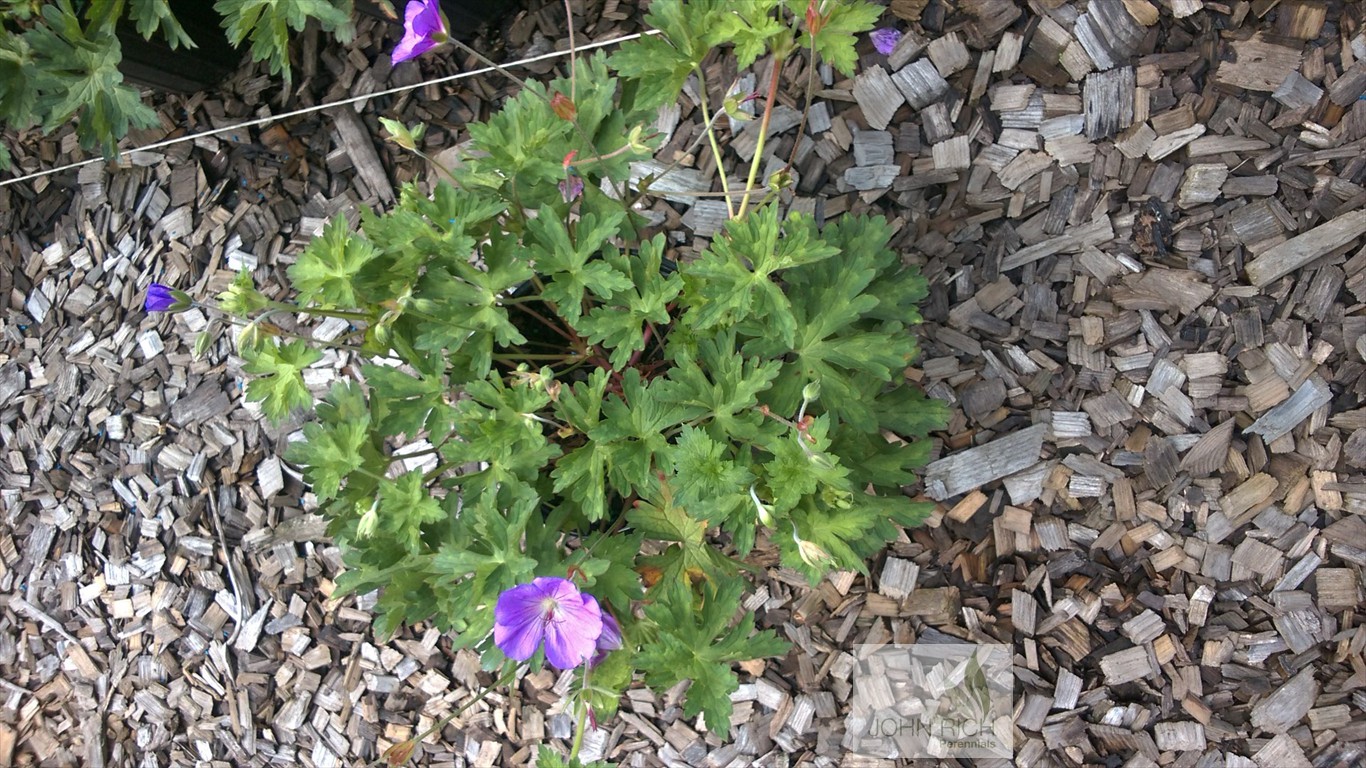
(812, 553)
(608, 641)
(562, 106)
(399, 753)
(552, 610)
(885, 39)
(163, 298)
(815, 20)
(423, 30)
(571, 188)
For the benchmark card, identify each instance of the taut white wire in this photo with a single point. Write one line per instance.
(321, 107)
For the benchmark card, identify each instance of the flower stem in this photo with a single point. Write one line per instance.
(573, 55)
(644, 190)
(319, 311)
(763, 134)
(435, 473)
(275, 330)
(806, 109)
(583, 720)
(548, 324)
(711, 137)
(528, 356)
(440, 166)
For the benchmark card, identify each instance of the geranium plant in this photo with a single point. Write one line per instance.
(564, 444)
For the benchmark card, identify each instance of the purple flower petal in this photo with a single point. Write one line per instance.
(572, 636)
(608, 641)
(422, 26)
(885, 40)
(159, 298)
(549, 610)
(571, 188)
(518, 641)
(517, 605)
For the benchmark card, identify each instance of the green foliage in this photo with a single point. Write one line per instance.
(153, 15)
(689, 558)
(268, 24)
(754, 29)
(279, 383)
(241, 298)
(326, 270)
(338, 443)
(844, 23)
(663, 62)
(592, 407)
(698, 641)
(734, 281)
(62, 68)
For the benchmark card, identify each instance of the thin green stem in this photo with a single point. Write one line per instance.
(440, 166)
(573, 55)
(583, 720)
(423, 452)
(763, 134)
(711, 137)
(644, 190)
(548, 324)
(528, 356)
(806, 108)
(274, 330)
(435, 473)
(342, 313)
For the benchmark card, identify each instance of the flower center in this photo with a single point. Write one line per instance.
(548, 606)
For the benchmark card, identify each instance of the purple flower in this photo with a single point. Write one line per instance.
(163, 298)
(608, 641)
(885, 39)
(571, 188)
(423, 30)
(552, 610)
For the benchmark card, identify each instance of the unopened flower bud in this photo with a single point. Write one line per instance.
(765, 514)
(163, 298)
(811, 392)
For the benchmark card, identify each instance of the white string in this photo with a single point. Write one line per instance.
(329, 105)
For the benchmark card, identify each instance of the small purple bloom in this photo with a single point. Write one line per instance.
(552, 610)
(161, 298)
(885, 39)
(608, 641)
(423, 30)
(571, 188)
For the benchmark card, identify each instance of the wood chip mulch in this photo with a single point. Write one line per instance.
(1144, 226)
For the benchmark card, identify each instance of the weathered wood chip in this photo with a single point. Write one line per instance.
(975, 467)
(1278, 421)
(1303, 249)
(1287, 705)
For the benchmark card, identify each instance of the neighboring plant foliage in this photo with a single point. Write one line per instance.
(60, 60)
(610, 434)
